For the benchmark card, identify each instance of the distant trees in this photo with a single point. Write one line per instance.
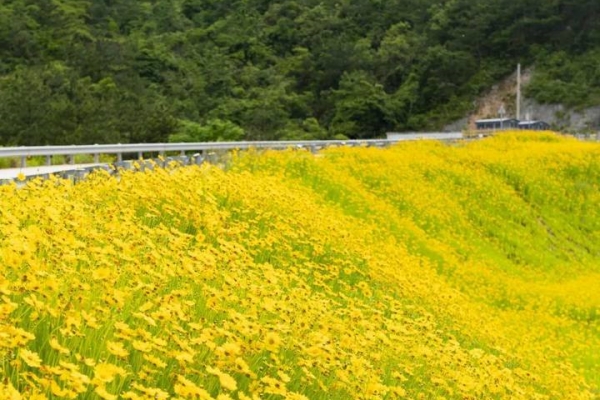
(80, 71)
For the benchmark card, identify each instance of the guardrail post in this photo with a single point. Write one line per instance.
(80, 175)
(198, 159)
(212, 157)
(140, 155)
(119, 157)
(48, 161)
(23, 162)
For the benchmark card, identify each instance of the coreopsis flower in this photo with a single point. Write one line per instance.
(242, 367)
(106, 373)
(117, 349)
(226, 380)
(9, 392)
(228, 350)
(142, 346)
(31, 358)
(151, 392)
(56, 346)
(273, 386)
(104, 394)
(188, 389)
(272, 341)
(157, 362)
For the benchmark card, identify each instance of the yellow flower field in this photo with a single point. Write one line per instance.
(422, 271)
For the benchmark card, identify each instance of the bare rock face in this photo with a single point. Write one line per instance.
(501, 98)
(457, 126)
(570, 120)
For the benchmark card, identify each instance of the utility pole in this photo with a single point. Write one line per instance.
(519, 91)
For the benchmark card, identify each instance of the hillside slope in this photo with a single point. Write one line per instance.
(419, 271)
(118, 71)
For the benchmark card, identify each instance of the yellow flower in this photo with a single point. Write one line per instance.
(184, 357)
(398, 391)
(284, 377)
(103, 394)
(476, 353)
(102, 273)
(12, 337)
(31, 358)
(117, 349)
(188, 389)
(157, 362)
(106, 373)
(8, 392)
(242, 367)
(56, 346)
(56, 390)
(153, 393)
(131, 395)
(228, 350)
(146, 318)
(272, 341)
(274, 386)
(144, 347)
(226, 380)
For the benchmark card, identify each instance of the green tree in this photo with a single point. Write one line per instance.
(83, 71)
(215, 130)
(361, 107)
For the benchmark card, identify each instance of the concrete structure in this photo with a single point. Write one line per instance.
(534, 125)
(400, 136)
(496, 124)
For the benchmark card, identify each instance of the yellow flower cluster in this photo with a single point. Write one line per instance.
(421, 271)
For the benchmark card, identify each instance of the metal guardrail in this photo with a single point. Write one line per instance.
(424, 135)
(161, 148)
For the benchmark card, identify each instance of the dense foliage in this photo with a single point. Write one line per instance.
(81, 71)
(423, 271)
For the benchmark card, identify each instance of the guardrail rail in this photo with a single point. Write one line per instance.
(199, 149)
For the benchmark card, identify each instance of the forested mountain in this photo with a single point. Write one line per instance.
(92, 71)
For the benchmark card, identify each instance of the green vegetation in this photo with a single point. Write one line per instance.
(80, 71)
(571, 80)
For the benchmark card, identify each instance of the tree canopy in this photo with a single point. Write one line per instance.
(93, 71)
